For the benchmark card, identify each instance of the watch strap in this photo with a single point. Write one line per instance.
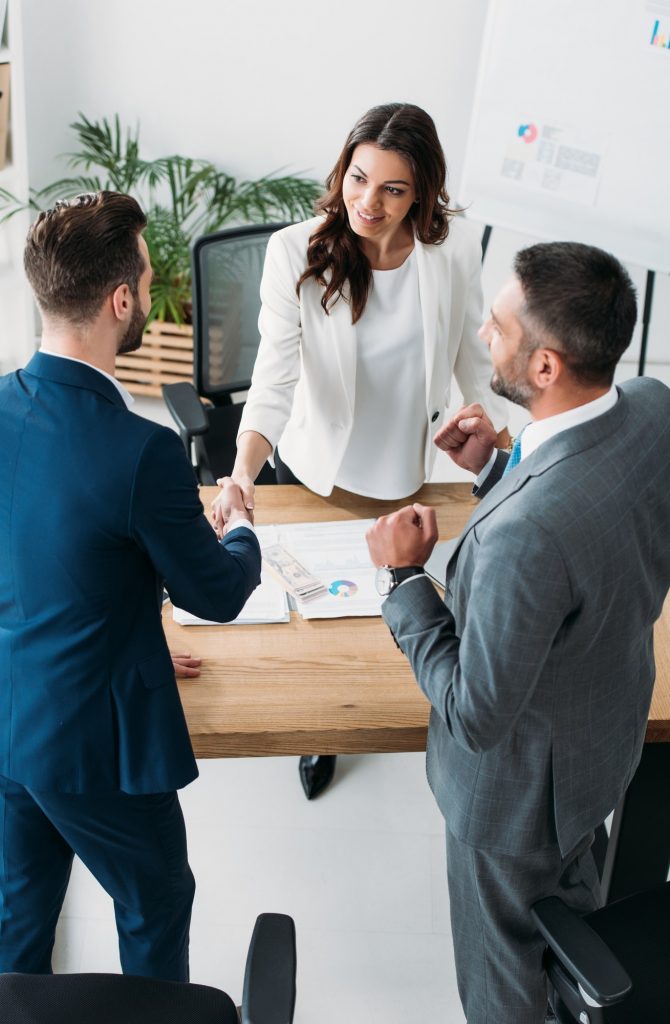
(406, 572)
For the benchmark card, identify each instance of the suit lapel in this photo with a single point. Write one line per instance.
(561, 446)
(429, 297)
(344, 344)
(503, 490)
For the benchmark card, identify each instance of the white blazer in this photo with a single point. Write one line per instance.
(303, 385)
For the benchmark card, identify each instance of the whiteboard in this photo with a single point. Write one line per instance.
(569, 137)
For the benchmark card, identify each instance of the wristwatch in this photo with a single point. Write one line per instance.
(387, 579)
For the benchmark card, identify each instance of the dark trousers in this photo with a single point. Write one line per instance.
(284, 474)
(135, 846)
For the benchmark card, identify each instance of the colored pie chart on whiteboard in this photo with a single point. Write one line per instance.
(527, 132)
(343, 588)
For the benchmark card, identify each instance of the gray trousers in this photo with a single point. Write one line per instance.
(498, 951)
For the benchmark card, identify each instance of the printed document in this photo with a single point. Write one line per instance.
(337, 554)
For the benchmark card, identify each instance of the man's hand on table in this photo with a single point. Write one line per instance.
(185, 667)
(406, 537)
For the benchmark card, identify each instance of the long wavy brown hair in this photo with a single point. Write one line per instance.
(334, 255)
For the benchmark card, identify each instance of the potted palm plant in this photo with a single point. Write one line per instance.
(184, 198)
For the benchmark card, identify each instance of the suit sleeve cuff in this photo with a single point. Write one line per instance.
(242, 524)
(483, 473)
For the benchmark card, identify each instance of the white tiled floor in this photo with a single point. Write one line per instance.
(361, 870)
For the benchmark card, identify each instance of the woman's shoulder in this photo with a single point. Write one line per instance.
(295, 237)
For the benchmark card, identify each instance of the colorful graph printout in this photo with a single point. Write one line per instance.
(660, 35)
(343, 588)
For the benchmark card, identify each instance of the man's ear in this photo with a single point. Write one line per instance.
(545, 368)
(122, 302)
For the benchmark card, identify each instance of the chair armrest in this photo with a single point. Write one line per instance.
(269, 979)
(581, 950)
(186, 408)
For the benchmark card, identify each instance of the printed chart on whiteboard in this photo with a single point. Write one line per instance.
(568, 136)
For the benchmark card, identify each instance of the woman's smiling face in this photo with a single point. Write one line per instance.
(378, 191)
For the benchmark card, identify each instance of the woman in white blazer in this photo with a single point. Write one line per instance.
(368, 312)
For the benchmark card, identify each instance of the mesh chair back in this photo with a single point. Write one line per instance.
(227, 271)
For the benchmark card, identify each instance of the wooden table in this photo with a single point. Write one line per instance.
(308, 687)
(342, 686)
(328, 686)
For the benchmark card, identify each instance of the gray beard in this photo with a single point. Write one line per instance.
(519, 392)
(516, 388)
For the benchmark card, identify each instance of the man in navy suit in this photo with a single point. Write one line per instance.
(99, 510)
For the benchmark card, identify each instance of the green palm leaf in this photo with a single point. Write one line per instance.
(184, 197)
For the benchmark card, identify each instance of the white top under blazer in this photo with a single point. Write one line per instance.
(304, 392)
(384, 456)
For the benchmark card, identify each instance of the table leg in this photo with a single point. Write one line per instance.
(638, 852)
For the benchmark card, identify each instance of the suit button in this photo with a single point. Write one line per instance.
(434, 417)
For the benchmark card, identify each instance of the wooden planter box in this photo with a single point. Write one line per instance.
(166, 357)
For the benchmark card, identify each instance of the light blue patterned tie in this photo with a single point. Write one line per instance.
(515, 456)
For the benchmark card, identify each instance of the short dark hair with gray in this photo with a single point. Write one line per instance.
(580, 300)
(81, 250)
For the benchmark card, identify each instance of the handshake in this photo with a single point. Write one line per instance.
(232, 505)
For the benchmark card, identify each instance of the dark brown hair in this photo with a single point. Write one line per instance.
(334, 255)
(581, 298)
(77, 253)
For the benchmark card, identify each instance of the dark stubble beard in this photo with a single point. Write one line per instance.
(515, 387)
(132, 339)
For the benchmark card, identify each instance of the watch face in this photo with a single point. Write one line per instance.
(384, 581)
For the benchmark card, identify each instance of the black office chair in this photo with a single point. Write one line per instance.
(269, 991)
(227, 269)
(611, 966)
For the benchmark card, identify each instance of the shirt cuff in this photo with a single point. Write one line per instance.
(241, 524)
(483, 473)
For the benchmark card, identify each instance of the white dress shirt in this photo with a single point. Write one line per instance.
(537, 432)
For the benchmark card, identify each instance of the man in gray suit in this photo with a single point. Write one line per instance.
(539, 663)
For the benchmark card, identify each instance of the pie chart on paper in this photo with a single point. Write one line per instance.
(527, 132)
(343, 588)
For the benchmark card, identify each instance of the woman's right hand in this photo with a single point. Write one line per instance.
(222, 507)
(252, 451)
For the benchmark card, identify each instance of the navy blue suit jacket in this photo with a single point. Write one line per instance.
(99, 509)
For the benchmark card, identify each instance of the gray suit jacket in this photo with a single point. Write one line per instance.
(539, 664)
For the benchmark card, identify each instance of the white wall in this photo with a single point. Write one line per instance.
(253, 84)
(257, 85)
